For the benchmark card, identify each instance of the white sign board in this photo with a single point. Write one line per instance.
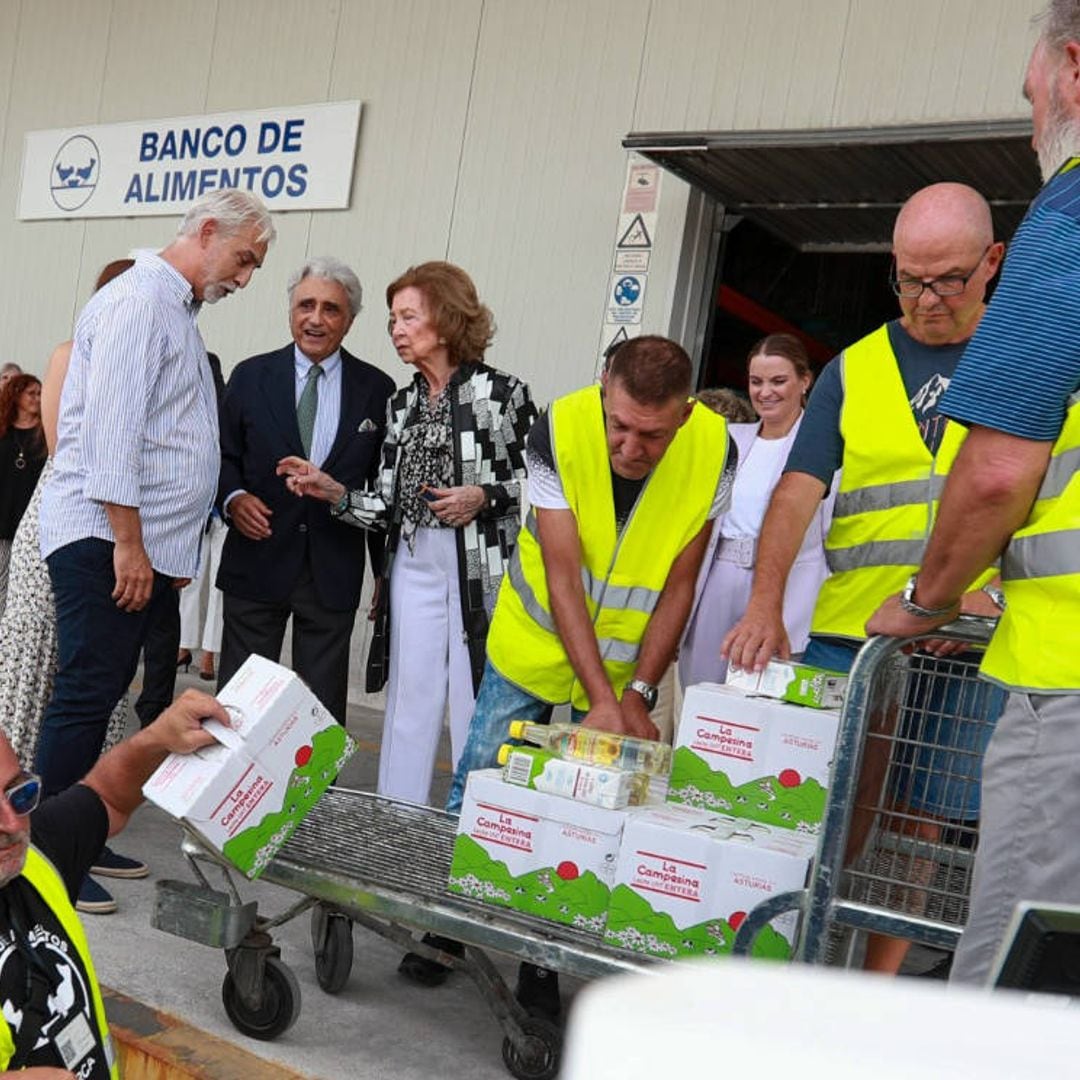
(293, 158)
(638, 213)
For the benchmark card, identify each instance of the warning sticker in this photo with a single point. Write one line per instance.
(626, 299)
(635, 235)
(631, 262)
(642, 187)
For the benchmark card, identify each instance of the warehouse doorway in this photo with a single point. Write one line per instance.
(792, 230)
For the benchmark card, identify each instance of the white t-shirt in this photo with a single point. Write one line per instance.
(754, 483)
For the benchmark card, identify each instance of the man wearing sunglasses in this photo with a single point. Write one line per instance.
(52, 1021)
(874, 414)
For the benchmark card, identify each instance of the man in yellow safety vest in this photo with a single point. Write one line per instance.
(625, 480)
(1015, 493)
(874, 415)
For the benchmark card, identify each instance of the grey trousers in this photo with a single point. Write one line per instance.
(1027, 831)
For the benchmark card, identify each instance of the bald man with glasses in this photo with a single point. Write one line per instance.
(874, 415)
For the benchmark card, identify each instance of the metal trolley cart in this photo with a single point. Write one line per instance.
(909, 722)
(384, 865)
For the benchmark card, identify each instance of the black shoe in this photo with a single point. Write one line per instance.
(538, 992)
(419, 969)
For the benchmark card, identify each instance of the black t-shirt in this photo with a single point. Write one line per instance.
(69, 830)
(22, 457)
(926, 370)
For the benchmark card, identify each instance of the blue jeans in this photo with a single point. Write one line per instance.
(97, 654)
(945, 726)
(498, 702)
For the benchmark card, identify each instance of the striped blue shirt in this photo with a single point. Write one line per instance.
(329, 408)
(138, 420)
(1023, 364)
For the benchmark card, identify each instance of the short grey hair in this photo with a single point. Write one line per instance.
(1060, 23)
(330, 269)
(233, 210)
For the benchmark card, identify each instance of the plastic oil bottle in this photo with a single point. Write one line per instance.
(576, 743)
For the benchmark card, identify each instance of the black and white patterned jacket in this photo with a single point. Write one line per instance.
(491, 414)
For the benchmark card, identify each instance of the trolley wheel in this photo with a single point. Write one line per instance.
(331, 938)
(280, 1003)
(541, 1056)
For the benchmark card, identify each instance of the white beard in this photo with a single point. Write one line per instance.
(217, 291)
(1060, 139)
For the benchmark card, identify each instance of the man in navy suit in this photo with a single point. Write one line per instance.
(285, 556)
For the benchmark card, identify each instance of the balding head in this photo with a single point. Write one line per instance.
(945, 231)
(943, 216)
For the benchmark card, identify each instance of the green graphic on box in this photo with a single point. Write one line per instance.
(561, 893)
(633, 924)
(317, 765)
(787, 801)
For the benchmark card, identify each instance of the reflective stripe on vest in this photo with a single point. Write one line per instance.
(42, 875)
(1034, 646)
(622, 574)
(889, 488)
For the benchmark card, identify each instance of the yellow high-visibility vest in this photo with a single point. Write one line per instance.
(890, 485)
(623, 574)
(1034, 646)
(47, 882)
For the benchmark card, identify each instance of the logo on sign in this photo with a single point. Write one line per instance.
(75, 172)
(627, 291)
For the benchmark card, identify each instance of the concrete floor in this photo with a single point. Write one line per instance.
(380, 1026)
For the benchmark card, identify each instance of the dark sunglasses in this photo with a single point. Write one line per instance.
(23, 793)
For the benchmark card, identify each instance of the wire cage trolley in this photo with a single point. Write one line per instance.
(383, 864)
(897, 842)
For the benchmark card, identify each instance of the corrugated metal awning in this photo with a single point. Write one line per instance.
(839, 189)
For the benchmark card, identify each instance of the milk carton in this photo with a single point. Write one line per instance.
(686, 879)
(246, 794)
(534, 852)
(753, 758)
(800, 684)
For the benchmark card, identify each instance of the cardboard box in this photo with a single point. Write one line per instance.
(799, 684)
(686, 879)
(246, 794)
(753, 758)
(537, 853)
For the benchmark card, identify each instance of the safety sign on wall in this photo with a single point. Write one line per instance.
(292, 157)
(634, 237)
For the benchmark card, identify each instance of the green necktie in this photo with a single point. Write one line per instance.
(308, 406)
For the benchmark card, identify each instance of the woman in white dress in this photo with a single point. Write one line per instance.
(779, 378)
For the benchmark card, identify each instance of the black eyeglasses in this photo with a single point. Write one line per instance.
(23, 793)
(950, 285)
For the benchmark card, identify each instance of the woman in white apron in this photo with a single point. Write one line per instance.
(779, 378)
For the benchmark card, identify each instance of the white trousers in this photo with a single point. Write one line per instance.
(191, 595)
(429, 666)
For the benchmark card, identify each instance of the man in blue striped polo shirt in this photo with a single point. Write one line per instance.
(1015, 491)
(135, 472)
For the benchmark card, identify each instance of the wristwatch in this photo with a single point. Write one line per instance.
(996, 595)
(648, 692)
(907, 602)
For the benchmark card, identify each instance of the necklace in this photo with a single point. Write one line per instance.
(20, 461)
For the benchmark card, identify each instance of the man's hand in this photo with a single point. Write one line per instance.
(250, 515)
(607, 716)
(179, 728)
(376, 597)
(636, 717)
(892, 620)
(756, 638)
(628, 717)
(303, 478)
(134, 575)
(457, 506)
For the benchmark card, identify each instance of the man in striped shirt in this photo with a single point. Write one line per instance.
(134, 474)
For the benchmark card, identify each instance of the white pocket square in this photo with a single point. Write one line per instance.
(368, 425)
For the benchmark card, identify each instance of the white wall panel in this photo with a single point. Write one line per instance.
(411, 64)
(541, 178)
(56, 75)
